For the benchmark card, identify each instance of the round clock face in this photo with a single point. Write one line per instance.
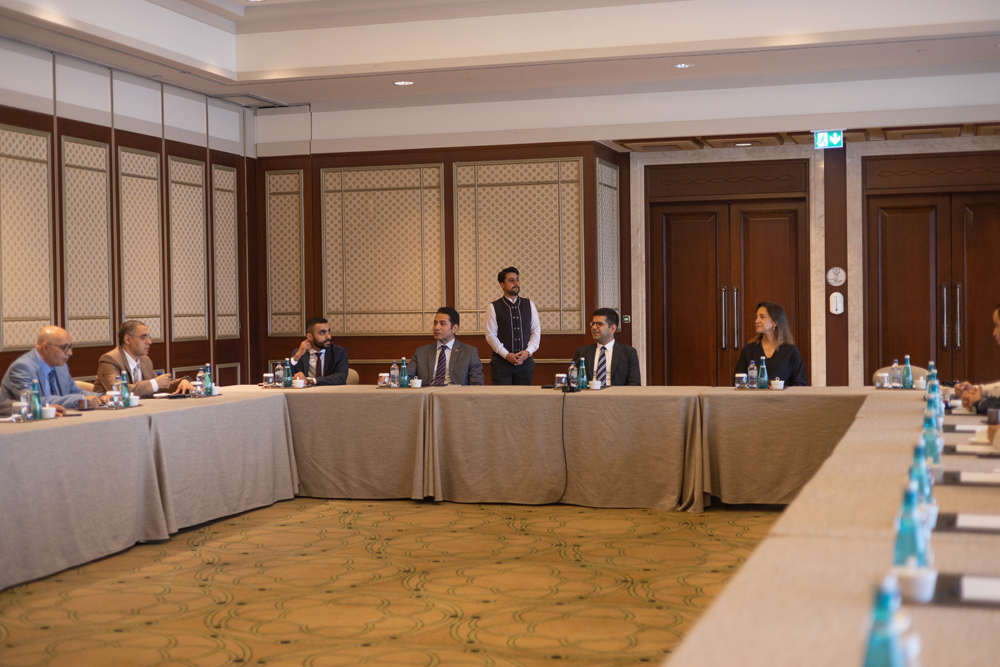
(836, 276)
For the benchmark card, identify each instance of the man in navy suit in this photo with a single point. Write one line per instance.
(46, 362)
(318, 361)
(614, 364)
(446, 361)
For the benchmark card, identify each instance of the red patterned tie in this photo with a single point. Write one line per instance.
(441, 366)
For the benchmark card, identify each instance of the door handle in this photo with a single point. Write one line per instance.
(958, 316)
(736, 317)
(944, 315)
(724, 327)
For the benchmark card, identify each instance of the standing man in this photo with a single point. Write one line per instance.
(513, 331)
(132, 358)
(46, 362)
(318, 361)
(447, 361)
(614, 364)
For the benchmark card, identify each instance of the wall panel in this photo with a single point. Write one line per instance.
(26, 289)
(224, 226)
(141, 230)
(188, 257)
(87, 264)
(285, 249)
(608, 235)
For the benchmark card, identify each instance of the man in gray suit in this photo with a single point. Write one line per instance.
(446, 361)
(46, 362)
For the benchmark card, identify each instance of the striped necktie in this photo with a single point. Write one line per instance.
(439, 372)
(54, 389)
(602, 366)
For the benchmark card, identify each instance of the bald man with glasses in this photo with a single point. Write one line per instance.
(132, 358)
(46, 362)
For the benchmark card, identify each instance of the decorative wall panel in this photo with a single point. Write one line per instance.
(26, 292)
(188, 268)
(383, 243)
(608, 250)
(87, 242)
(528, 215)
(142, 268)
(285, 296)
(227, 302)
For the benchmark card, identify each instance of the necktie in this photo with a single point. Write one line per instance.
(602, 366)
(54, 384)
(441, 366)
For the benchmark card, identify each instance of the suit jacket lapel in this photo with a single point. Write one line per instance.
(616, 356)
(125, 365)
(455, 347)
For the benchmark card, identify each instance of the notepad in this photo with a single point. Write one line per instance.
(977, 522)
(980, 589)
(975, 449)
(969, 428)
(991, 478)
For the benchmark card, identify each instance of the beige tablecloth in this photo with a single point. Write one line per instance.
(763, 446)
(359, 441)
(634, 447)
(496, 445)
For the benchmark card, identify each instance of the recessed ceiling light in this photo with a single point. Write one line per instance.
(744, 144)
(255, 0)
(403, 83)
(683, 65)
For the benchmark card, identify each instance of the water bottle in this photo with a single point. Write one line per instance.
(199, 382)
(907, 373)
(935, 400)
(25, 411)
(208, 379)
(895, 375)
(933, 441)
(921, 475)
(36, 400)
(394, 376)
(572, 375)
(404, 375)
(911, 540)
(582, 375)
(762, 374)
(752, 375)
(884, 646)
(124, 390)
(279, 375)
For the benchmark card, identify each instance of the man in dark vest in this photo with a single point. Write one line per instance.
(513, 331)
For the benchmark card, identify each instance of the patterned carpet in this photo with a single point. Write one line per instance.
(336, 583)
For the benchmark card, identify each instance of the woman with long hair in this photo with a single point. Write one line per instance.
(774, 342)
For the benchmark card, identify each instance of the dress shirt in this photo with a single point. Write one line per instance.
(136, 371)
(597, 354)
(447, 364)
(491, 329)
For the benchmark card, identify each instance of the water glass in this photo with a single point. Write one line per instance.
(741, 381)
(197, 389)
(268, 379)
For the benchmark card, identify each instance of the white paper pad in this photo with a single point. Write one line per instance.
(969, 428)
(979, 478)
(978, 521)
(976, 449)
(980, 589)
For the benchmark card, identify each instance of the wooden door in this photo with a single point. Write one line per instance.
(769, 252)
(909, 285)
(975, 290)
(689, 271)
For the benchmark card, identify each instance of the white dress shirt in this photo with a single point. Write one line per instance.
(446, 348)
(597, 353)
(136, 371)
(491, 330)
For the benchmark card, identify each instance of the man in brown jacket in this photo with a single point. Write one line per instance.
(131, 357)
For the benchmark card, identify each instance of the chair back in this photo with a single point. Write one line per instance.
(918, 372)
(86, 386)
(353, 377)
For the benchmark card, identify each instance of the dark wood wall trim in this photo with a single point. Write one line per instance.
(943, 172)
(716, 180)
(835, 183)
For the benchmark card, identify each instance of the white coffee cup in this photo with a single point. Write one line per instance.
(921, 383)
(49, 412)
(216, 390)
(777, 384)
(133, 400)
(594, 384)
(916, 584)
(298, 384)
(416, 383)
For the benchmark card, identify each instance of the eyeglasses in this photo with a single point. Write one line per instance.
(65, 348)
(145, 336)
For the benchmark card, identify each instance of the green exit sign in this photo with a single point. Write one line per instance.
(828, 138)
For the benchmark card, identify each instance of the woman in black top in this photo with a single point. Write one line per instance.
(774, 341)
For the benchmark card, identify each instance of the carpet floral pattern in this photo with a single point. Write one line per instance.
(326, 583)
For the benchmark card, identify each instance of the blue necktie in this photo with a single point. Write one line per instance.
(54, 384)
(602, 366)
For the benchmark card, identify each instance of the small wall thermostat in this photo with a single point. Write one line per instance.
(836, 303)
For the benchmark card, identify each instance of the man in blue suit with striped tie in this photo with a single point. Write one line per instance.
(46, 362)
(614, 364)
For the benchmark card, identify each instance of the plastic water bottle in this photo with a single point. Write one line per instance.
(582, 376)
(921, 475)
(933, 441)
(208, 379)
(124, 390)
(907, 373)
(394, 376)
(279, 375)
(752, 375)
(911, 540)
(404, 375)
(762, 374)
(895, 375)
(36, 400)
(573, 376)
(884, 646)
